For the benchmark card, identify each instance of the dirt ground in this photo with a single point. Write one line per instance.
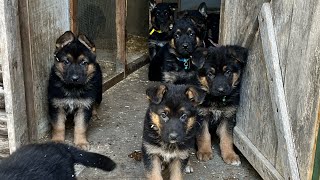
(118, 132)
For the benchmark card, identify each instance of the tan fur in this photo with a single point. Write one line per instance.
(172, 44)
(235, 79)
(224, 68)
(175, 170)
(204, 83)
(190, 123)
(204, 143)
(198, 41)
(155, 173)
(155, 120)
(80, 128)
(226, 145)
(58, 131)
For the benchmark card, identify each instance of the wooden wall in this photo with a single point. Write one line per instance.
(41, 22)
(297, 33)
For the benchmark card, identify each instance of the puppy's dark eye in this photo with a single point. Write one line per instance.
(183, 117)
(210, 75)
(57, 59)
(191, 34)
(66, 62)
(227, 73)
(83, 63)
(177, 36)
(164, 116)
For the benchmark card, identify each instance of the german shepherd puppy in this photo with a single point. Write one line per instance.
(170, 128)
(75, 87)
(162, 17)
(220, 77)
(199, 17)
(50, 161)
(176, 55)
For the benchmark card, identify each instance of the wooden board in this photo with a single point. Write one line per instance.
(13, 82)
(42, 22)
(297, 37)
(121, 13)
(279, 105)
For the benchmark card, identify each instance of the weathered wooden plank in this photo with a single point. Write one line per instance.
(239, 23)
(281, 117)
(73, 16)
(11, 57)
(42, 22)
(297, 33)
(254, 156)
(121, 13)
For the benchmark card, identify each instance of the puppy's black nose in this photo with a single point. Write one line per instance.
(173, 136)
(185, 46)
(75, 78)
(220, 89)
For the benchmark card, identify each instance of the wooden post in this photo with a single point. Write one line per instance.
(121, 13)
(13, 82)
(279, 106)
(73, 16)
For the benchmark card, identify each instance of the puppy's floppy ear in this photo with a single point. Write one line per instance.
(85, 41)
(156, 93)
(195, 95)
(152, 4)
(203, 9)
(238, 53)
(64, 39)
(199, 56)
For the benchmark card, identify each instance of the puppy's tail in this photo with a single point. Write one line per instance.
(91, 159)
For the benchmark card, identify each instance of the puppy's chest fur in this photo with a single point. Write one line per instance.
(71, 104)
(216, 110)
(165, 152)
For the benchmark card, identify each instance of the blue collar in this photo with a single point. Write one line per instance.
(185, 62)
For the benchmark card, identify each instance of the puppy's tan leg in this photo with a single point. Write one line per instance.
(58, 127)
(95, 115)
(80, 128)
(155, 173)
(226, 144)
(204, 143)
(175, 170)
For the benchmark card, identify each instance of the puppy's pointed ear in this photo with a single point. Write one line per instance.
(203, 9)
(195, 95)
(156, 93)
(64, 39)
(152, 4)
(239, 53)
(85, 41)
(199, 57)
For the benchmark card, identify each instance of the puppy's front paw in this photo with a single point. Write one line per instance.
(188, 169)
(204, 155)
(169, 77)
(232, 159)
(82, 145)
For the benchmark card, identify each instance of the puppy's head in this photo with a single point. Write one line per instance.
(74, 59)
(221, 73)
(199, 17)
(173, 110)
(185, 37)
(161, 15)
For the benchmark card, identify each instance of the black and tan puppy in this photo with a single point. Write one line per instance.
(220, 77)
(199, 17)
(50, 161)
(162, 17)
(176, 55)
(170, 128)
(75, 87)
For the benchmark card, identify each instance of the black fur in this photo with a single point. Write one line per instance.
(50, 161)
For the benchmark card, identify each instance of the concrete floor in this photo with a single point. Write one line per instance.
(119, 131)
